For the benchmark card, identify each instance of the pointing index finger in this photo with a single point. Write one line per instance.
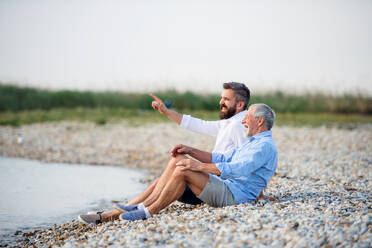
(156, 98)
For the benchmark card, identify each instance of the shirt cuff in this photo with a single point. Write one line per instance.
(185, 121)
(216, 157)
(224, 169)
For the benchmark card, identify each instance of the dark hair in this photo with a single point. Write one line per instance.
(241, 91)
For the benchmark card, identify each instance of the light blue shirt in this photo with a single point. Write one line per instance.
(247, 169)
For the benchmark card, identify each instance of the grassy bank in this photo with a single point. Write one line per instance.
(23, 105)
(101, 116)
(18, 99)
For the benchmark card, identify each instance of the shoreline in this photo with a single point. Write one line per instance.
(322, 181)
(36, 195)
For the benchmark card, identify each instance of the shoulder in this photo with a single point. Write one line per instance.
(267, 145)
(235, 124)
(239, 116)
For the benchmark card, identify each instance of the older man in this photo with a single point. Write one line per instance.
(216, 179)
(229, 131)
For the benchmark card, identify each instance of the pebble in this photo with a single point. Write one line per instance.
(323, 185)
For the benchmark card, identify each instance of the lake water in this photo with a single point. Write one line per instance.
(36, 195)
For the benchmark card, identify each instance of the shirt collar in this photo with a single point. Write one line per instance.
(261, 135)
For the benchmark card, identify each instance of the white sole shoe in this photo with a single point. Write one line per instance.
(90, 219)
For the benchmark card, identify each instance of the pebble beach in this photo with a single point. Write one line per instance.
(322, 185)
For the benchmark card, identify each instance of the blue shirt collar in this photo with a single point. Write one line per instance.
(261, 135)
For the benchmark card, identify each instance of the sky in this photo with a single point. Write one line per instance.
(144, 45)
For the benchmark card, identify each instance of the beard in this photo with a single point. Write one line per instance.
(229, 113)
(247, 132)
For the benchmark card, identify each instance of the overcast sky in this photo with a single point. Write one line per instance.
(143, 45)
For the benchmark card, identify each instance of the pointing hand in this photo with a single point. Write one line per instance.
(158, 105)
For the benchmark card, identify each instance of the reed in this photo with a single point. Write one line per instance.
(15, 99)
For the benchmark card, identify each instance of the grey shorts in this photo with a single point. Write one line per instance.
(216, 193)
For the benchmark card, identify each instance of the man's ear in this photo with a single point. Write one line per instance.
(240, 106)
(261, 120)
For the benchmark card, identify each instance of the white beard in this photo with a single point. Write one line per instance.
(247, 133)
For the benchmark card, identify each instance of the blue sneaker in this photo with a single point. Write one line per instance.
(122, 208)
(133, 215)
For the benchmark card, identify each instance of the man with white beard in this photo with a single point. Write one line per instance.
(229, 131)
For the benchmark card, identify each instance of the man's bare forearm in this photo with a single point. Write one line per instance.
(211, 169)
(173, 116)
(190, 164)
(202, 156)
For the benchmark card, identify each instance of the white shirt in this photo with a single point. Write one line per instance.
(229, 132)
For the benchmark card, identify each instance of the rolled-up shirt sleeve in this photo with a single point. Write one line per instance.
(256, 158)
(222, 157)
(217, 157)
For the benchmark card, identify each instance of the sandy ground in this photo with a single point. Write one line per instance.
(323, 182)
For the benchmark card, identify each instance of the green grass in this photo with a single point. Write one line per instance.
(102, 116)
(25, 105)
(16, 99)
(349, 121)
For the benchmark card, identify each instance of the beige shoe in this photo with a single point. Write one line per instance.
(90, 219)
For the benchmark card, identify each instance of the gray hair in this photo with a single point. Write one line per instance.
(261, 109)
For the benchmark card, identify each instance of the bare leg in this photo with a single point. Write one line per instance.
(142, 197)
(110, 215)
(150, 194)
(176, 186)
(163, 180)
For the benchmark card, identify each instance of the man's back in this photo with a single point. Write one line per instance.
(247, 169)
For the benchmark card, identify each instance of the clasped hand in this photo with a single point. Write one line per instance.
(180, 149)
(186, 163)
(189, 164)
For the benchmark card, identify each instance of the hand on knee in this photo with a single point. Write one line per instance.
(179, 172)
(176, 159)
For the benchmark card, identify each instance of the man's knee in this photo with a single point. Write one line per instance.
(175, 160)
(178, 157)
(179, 173)
(155, 182)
